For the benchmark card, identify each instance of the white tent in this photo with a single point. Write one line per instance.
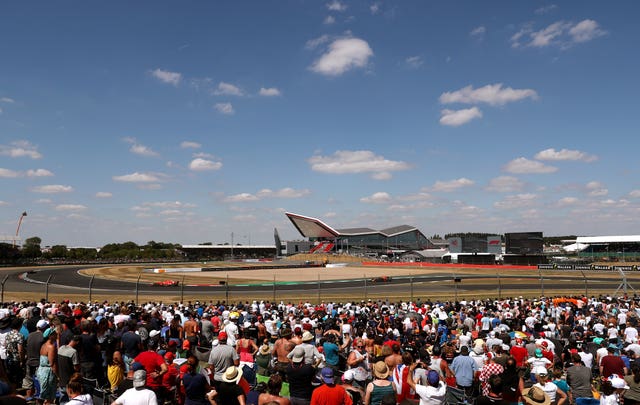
(575, 247)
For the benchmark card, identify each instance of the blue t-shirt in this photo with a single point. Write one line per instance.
(331, 353)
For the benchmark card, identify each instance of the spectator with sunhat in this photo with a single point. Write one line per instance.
(300, 376)
(228, 392)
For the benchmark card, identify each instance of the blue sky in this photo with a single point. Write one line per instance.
(186, 121)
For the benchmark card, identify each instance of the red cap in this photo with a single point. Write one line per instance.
(169, 356)
(172, 343)
(222, 336)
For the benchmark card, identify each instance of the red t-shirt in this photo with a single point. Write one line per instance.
(152, 362)
(330, 395)
(520, 354)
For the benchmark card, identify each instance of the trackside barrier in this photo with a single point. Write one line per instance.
(586, 267)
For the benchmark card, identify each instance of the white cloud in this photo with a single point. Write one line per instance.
(329, 20)
(242, 197)
(564, 154)
(567, 201)
(245, 218)
(505, 184)
(414, 62)
(545, 9)
(516, 201)
(143, 150)
(374, 8)
(269, 92)
(9, 174)
(228, 89)
(585, 31)
(137, 178)
(3, 203)
(200, 165)
(451, 185)
(224, 108)
(492, 94)
(478, 31)
(343, 55)
(203, 155)
(170, 212)
(21, 148)
(361, 161)
(561, 34)
(103, 194)
(335, 5)
(286, 192)
(596, 189)
(39, 173)
(166, 76)
(168, 204)
(52, 189)
(316, 42)
(70, 207)
(455, 118)
(7, 100)
(380, 197)
(190, 145)
(635, 194)
(382, 176)
(149, 186)
(525, 166)
(43, 201)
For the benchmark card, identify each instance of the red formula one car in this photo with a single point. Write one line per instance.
(381, 279)
(167, 283)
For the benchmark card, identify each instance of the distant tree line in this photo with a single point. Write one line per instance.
(32, 252)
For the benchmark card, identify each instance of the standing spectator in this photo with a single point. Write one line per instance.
(48, 368)
(612, 363)
(221, 358)
(195, 384)
(15, 353)
(486, 373)
(228, 391)
(556, 395)
(263, 360)
(281, 348)
(329, 393)
(155, 368)
(34, 343)
(433, 393)
(274, 385)
(139, 394)
(579, 379)
(465, 368)
(68, 361)
(300, 375)
(380, 386)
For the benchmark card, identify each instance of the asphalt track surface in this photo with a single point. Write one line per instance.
(67, 279)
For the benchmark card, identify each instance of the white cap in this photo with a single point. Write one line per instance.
(42, 324)
(540, 370)
(617, 382)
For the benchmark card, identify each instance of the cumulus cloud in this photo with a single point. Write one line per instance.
(567, 201)
(167, 204)
(286, 192)
(103, 194)
(478, 32)
(269, 92)
(492, 94)
(516, 201)
(17, 149)
(166, 76)
(316, 42)
(523, 165)
(380, 197)
(343, 55)
(190, 145)
(137, 178)
(596, 189)
(451, 185)
(561, 34)
(635, 194)
(564, 154)
(224, 108)
(375, 8)
(3, 203)
(200, 165)
(360, 161)
(228, 89)
(545, 9)
(329, 20)
(455, 118)
(7, 100)
(52, 189)
(505, 184)
(9, 174)
(143, 150)
(39, 173)
(70, 207)
(414, 62)
(242, 197)
(335, 5)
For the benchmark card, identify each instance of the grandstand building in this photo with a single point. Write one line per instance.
(363, 241)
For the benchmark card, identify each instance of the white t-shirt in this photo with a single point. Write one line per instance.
(550, 389)
(431, 395)
(630, 334)
(134, 396)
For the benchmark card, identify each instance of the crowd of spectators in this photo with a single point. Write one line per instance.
(562, 351)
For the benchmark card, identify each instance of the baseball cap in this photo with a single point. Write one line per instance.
(135, 366)
(433, 377)
(42, 324)
(538, 353)
(169, 356)
(327, 375)
(298, 354)
(139, 378)
(222, 336)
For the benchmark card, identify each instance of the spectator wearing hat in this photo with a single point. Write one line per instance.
(263, 360)
(221, 358)
(300, 375)
(139, 394)
(34, 343)
(329, 393)
(155, 368)
(170, 378)
(465, 369)
(612, 363)
(538, 360)
(519, 352)
(535, 396)
(612, 390)
(556, 395)
(228, 391)
(311, 354)
(380, 386)
(355, 391)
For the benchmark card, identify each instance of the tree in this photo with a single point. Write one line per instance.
(58, 251)
(31, 248)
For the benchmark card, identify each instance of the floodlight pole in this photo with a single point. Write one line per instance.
(24, 214)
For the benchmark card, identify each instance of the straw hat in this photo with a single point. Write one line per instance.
(232, 375)
(380, 370)
(535, 396)
(265, 349)
(307, 336)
